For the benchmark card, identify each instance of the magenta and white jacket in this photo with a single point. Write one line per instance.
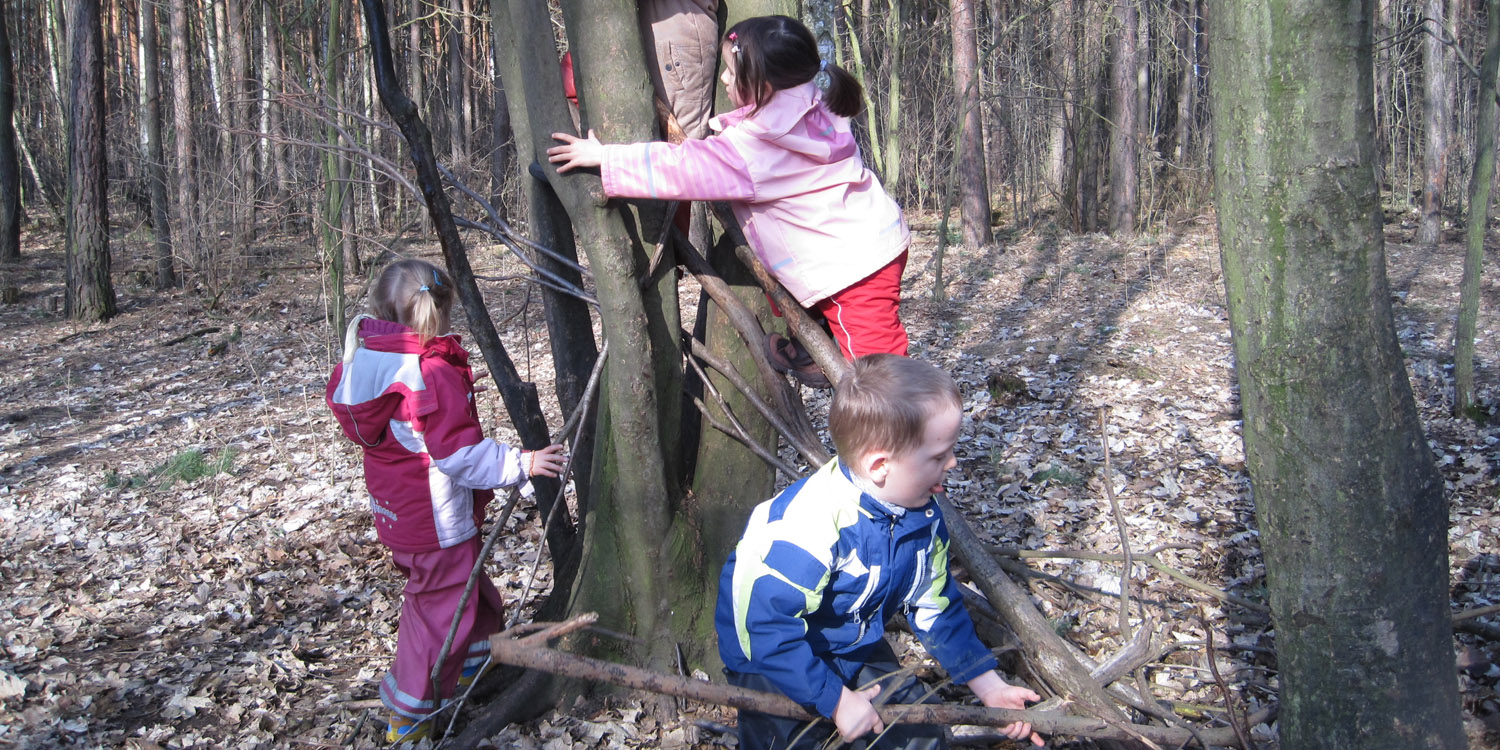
(815, 216)
(428, 466)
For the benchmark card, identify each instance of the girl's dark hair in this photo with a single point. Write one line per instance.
(415, 294)
(777, 52)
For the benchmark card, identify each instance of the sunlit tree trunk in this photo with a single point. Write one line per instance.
(1479, 211)
(1333, 445)
(89, 296)
(154, 161)
(1125, 114)
(973, 186)
(189, 241)
(1437, 110)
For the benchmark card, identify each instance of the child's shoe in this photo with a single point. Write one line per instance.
(403, 729)
(789, 356)
(470, 674)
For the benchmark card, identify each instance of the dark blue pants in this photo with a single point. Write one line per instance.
(760, 731)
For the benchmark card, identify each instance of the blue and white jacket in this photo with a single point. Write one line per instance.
(820, 568)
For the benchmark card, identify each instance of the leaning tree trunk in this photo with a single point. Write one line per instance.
(10, 161)
(1479, 221)
(1350, 506)
(155, 167)
(973, 187)
(1437, 118)
(1124, 111)
(89, 294)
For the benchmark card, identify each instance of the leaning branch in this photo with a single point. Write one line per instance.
(533, 653)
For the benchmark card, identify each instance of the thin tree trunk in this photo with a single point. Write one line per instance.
(895, 27)
(1333, 443)
(1479, 215)
(89, 296)
(1125, 114)
(334, 173)
(152, 158)
(188, 239)
(972, 184)
(10, 160)
(280, 170)
(242, 193)
(1437, 125)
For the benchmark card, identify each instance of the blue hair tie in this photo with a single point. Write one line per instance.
(423, 288)
(436, 281)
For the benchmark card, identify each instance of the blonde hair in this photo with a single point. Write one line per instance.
(884, 404)
(415, 294)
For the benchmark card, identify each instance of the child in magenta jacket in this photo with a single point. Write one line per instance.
(405, 394)
(788, 165)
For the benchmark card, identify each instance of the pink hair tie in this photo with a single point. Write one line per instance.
(734, 42)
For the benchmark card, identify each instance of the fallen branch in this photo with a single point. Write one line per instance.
(186, 336)
(531, 653)
(1149, 558)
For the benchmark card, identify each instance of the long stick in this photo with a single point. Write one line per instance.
(524, 654)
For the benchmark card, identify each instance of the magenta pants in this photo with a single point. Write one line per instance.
(434, 583)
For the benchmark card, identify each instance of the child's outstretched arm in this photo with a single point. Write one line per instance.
(997, 693)
(576, 152)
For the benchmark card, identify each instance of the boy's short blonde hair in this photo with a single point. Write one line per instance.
(885, 402)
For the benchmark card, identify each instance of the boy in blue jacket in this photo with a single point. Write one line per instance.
(804, 597)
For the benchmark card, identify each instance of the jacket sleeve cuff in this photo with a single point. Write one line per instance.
(829, 695)
(972, 666)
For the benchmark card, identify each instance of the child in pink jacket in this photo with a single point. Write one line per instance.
(788, 165)
(405, 394)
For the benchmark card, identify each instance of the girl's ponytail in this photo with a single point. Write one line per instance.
(844, 97)
(415, 294)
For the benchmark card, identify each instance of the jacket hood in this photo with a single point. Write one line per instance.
(797, 120)
(381, 379)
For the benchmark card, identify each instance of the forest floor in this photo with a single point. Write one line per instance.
(188, 559)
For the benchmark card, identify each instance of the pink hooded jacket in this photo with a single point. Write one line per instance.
(428, 466)
(814, 215)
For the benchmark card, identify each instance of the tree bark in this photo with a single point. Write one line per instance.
(1479, 219)
(1333, 444)
(188, 238)
(10, 160)
(154, 165)
(89, 296)
(973, 186)
(236, 82)
(1124, 111)
(1437, 111)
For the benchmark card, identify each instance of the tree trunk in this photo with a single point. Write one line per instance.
(154, 164)
(334, 171)
(1333, 444)
(895, 26)
(1124, 112)
(972, 184)
(188, 239)
(278, 172)
(89, 296)
(10, 160)
(1479, 220)
(242, 194)
(1437, 111)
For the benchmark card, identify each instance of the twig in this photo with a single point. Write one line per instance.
(1235, 720)
(1128, 568)
(526, 653)
(186, 336)
(575, 424)
(463, 601)
(815, 456)
(735, 429)
(1469, 614)
(1149, 558)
